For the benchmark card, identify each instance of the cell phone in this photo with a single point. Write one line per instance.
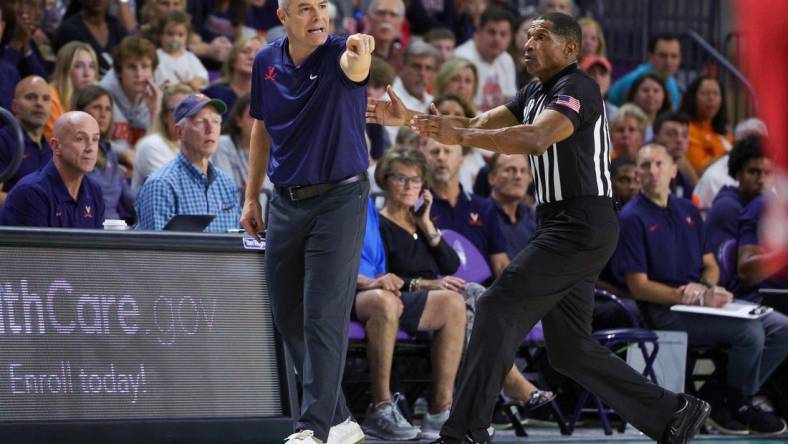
(419, 207)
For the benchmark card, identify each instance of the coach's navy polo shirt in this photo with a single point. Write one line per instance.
(313, 113)
(474, 217)
(42, 200)
(34, 157)
(667, 244)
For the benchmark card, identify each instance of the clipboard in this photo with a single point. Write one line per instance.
(739, 310)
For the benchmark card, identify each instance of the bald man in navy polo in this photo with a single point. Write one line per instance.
(59, 194)
(309, 98)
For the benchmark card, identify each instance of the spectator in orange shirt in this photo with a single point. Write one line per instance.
(709, 137)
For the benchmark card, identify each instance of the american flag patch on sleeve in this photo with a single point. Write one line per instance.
(569, 102)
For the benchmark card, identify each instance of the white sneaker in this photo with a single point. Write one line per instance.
(303, 437)
(431, 425)
(346, 432)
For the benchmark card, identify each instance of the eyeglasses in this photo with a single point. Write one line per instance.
(402, 180)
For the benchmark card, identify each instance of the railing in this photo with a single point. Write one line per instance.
(741, 99)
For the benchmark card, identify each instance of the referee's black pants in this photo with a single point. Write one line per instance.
(552, 279)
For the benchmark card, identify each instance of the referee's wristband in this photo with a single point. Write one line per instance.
(706, 282)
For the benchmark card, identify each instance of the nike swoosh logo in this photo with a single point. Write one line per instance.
(312, 76)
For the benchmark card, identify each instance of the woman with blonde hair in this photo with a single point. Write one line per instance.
(76, 67)
(236, 77)
(593, 39)
(458, 76)
(161, 144)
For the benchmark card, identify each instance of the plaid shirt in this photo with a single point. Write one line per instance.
(180, 188)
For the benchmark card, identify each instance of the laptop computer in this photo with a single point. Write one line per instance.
(189, 222)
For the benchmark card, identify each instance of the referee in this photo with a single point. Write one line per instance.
(308, 100)
(560, 122)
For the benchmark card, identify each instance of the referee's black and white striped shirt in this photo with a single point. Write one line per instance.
(579, 165)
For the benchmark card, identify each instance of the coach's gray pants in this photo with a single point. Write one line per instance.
(312, 259)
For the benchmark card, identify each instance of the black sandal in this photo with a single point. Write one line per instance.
(539, 398)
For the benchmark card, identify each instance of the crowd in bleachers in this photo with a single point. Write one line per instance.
(689, 181)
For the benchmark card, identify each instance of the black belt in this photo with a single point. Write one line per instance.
(301, 192)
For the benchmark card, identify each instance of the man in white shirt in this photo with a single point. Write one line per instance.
(487, 50)
(417, 74)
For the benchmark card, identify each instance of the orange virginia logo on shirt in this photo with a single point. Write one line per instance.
(87, 214)
(271, 74)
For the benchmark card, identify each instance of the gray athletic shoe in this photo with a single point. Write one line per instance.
(431, 425)
(387, 423)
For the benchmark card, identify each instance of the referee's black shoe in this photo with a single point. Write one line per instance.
(686, 421)
(467, 439)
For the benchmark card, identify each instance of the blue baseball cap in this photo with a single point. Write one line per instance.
(193, 104)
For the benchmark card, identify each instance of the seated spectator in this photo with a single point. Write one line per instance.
(495, 66)
(424, 16)
(593, 39)
(161, 144)
(664, 259)
(75, 68)
(384, 21)
(8, 72)
(756, 268)
(107, 174)
(236, 77)
(561, 6)
(716, 174)
(92, 24)
(627, 131)
(517, 49)
(31, 107)
(224, 18)
(474, 159)
(213, 53)
(381, 75)
(475, 219)
(404, 290)
(599, 69)
(709, 138)
(470, 13)
(671, 131)
(261, 16)
(443, 41)
(509, 180)
(458, 77)
(190, 184)
(232, 156)
(59, 194)
(417, 76)
(664, 58)
(153, 10)
(651, 96)
(135, 95)
(751, 169)
(625, 180)
(176, 63)
(18, 48)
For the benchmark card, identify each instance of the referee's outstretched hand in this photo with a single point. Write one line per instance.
(360, 45)
(388, 112)
(252, 218)
(436, 126)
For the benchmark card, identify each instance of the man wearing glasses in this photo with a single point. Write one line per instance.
(190, 184)
(385, 24)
